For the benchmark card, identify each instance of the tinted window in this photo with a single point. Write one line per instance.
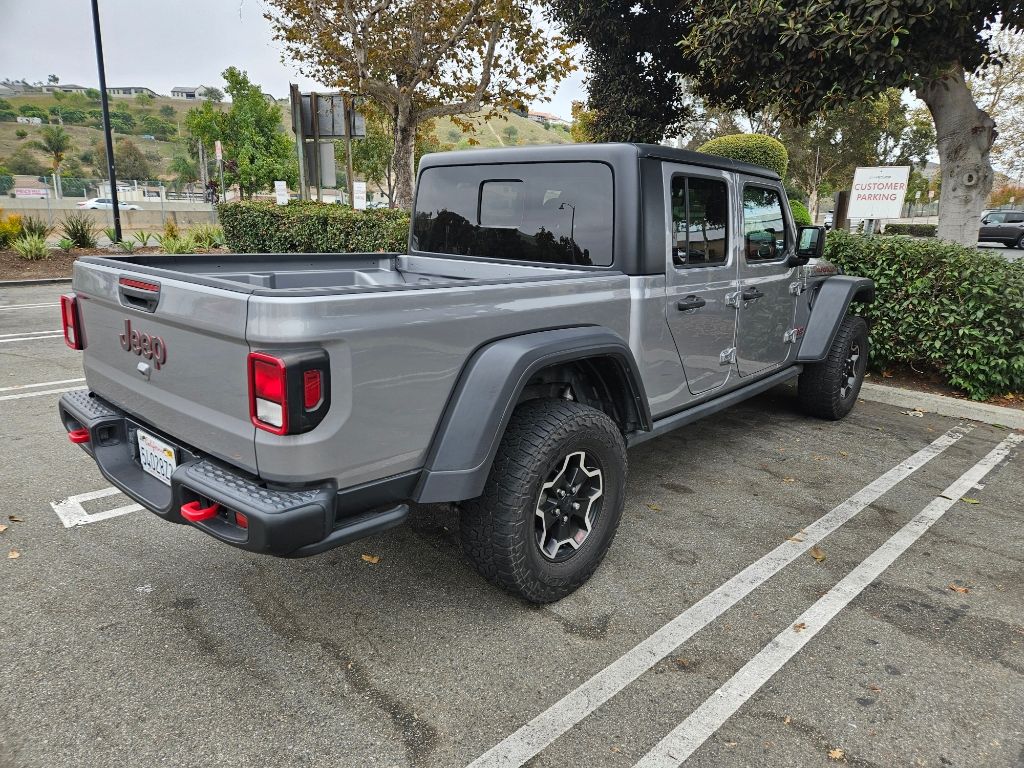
(764, 224)
(557, 213)
(1014, 218)
(996, 218)
(700, 215)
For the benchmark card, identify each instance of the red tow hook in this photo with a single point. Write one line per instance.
(79, 435)
(194, 513)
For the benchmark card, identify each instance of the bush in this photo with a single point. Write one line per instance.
(31, 247)
(173, 244)
(10, 228)
(79, 229)
(66, 244)
(30, 225)
(6, 181)
(308, 227)
(916, 230)
(8, 116)
(943, 306)
(753, 148)
(207, 236)
(31, 110)
(801, 215)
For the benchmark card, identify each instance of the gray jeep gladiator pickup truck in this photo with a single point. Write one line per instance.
(556, 305)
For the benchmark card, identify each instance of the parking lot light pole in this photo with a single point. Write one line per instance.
(107, 137)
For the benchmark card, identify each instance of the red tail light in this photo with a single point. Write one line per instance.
(289, 392)
(70, 319)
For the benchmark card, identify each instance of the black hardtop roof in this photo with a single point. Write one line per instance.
(600, 152)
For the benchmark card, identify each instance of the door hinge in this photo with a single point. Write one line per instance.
(733, 299)
(793, 335)
(727, 356)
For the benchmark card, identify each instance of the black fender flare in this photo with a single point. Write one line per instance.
(467, 438)
(830, 306)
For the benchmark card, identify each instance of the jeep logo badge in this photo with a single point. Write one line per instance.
(142, 344)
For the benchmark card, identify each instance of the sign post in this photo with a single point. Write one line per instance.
(219, 154)
(878, 193)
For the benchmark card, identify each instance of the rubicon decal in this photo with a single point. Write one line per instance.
(150, 347)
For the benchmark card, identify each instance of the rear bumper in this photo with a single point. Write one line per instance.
(292, 522)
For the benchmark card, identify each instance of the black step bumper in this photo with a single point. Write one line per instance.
(293, 522)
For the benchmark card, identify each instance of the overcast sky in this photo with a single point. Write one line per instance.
(160, 44)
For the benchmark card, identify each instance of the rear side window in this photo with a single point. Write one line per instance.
(554, 213)
(700, 217)
(764, 224)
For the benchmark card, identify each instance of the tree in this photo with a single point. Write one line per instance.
(52, 80)
(805, 56)
(510, 134)
(55, 142)
(256, 150)
(583, 119)
(22, 162)
(999, 91)
(167, 112)
(129, 160)
(423, 59)
(632, 53)
(143, 100)
(214, 94)
(93, 94)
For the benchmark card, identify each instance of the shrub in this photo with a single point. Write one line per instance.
(6, 181)
(31, 247)
(30, 225)
(307, 227)
(142, 237)
(79, 229)
(171, 228)
(753, 148)
(31, 110)
(916, 230)
(801, 215)
(66, 244)
(8, 116)
(183, 244)
(20, 134)
(111, 235)
(953, 309)
(10, 228)
(127, 246)
(207, 236)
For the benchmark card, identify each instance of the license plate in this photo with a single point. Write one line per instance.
(157, 457)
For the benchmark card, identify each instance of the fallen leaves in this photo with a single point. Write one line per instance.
(844, 454)
(817, 553)
(786, 720)
(959, 590)
(15, 519)
(887, 374)
(799, 627)
(836, 754)
(874, 688)
(968, 500)
(3, 528)
(371, 559)
(654, 507)
(13, 554)
(916, 412)
(796, 538)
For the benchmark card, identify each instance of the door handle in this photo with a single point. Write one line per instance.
(689, 303)
(752, 294)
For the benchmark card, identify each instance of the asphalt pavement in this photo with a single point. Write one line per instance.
(1010, 254)
(782, 592)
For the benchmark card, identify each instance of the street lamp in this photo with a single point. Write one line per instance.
(572, 220)
(107, 137)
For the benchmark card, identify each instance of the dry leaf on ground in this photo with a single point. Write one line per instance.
(799, 627)
(844, 453)
(786, 720)
(875, 688)
(961, 590)
(3, 528)
(15, 519)
(967, 500)
(374, 559)
(796, 537)
(789, 480)
(817, 553)
(13, 554)
(654, 507)
(836, 754)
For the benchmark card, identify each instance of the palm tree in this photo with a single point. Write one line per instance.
(56, 143)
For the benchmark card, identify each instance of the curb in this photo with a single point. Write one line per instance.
(996, 415)
(36, 281)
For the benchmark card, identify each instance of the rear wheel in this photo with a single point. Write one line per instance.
(1019, 243)
(829, 389)
(552, 502)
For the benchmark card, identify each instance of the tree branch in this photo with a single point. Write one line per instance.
(427, 67)
(474, 102)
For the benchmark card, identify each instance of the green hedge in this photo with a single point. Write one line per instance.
(953, 309)
(801, 215)
(917, 230)
(753, 148)
(309, 227)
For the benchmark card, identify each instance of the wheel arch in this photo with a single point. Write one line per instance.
(830, 305)
(595, 363)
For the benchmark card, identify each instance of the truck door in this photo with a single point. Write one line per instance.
(766, 306)
(701, 274)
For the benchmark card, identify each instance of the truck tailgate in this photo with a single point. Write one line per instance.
(174, 358)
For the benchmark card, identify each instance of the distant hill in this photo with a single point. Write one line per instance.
(489, 130)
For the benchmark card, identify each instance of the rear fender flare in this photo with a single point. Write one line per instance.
(487, 392)
(831, 304)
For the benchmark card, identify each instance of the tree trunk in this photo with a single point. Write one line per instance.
(965, 134)
(405, 148)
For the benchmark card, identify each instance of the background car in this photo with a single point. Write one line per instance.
(104, 203)
(1004, 226)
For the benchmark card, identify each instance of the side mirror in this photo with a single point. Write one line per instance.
(810, 245)
(985, 220)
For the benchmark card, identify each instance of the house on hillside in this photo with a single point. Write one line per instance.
(547, 118)
(189, 93)
(132, 90)
(63, 88)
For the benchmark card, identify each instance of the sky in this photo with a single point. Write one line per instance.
(161, 44)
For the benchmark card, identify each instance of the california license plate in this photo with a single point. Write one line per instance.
(157, 457)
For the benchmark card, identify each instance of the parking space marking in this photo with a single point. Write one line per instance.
(536, 735)
(30, 333)
(40, 384)
(22, 395)
(28, 337)
(684, 740)
(26, 306)
(72, 513)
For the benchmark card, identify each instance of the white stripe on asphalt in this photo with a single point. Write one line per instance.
(22, 395)
(40, 384)
(684, 740)
(57, 335)
(30, 333)
(26, 306)
(539, 733)
(72, 513)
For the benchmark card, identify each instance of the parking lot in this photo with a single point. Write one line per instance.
(782, 592)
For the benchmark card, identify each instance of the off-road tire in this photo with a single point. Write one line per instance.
(498, 529)
(821, 386)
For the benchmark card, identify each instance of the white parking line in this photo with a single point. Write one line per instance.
(72, 513)
(30, 333)
(684, 740)
(24, 337)
(539, 733)
(27, 306)
(40, 384)
(23, 395)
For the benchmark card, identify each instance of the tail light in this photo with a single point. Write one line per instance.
(71, 321)
(289, 393)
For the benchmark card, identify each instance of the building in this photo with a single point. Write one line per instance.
(189, 93)
(131, 90)
(63, 88)
(547, 118)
